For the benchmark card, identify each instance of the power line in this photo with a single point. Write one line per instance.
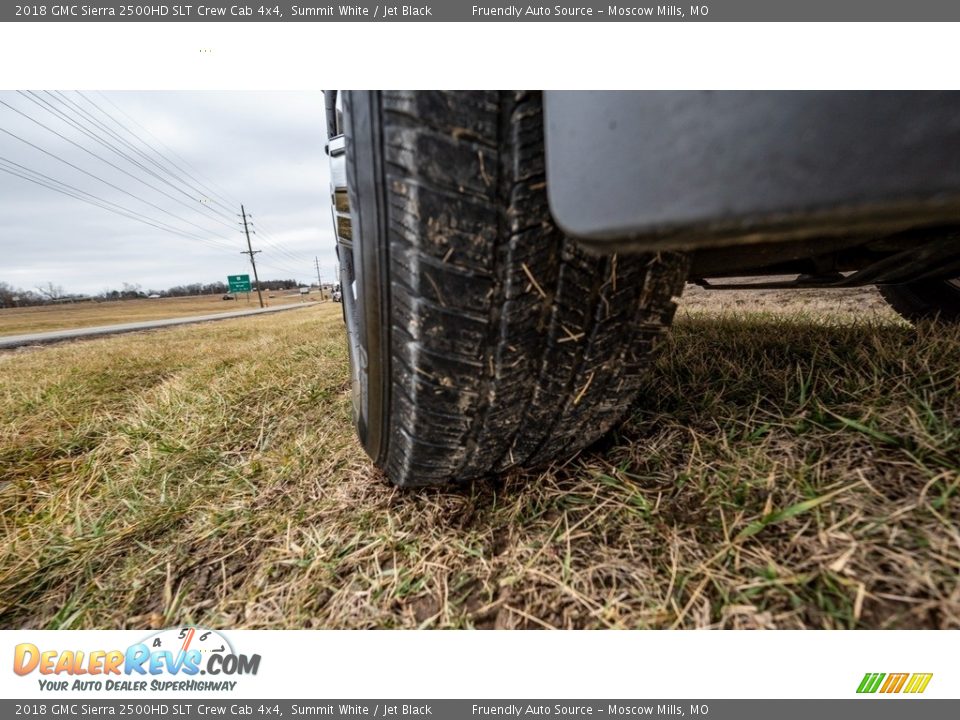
(107, 182)
(68, 190)
(101, 159)
(264, 229)
(266, 239)
(295, 257)
(294, 275)
(251, 252)
(265, 233)
(81, 120)
(279, 264)
(231, 204)
(248, 221)
(97, 125)
(71, 191)
(202, 193)
(275, 245)
(83, 196)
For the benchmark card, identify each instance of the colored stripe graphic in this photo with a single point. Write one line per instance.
(894, 683)
(870, 682)
(918, 682)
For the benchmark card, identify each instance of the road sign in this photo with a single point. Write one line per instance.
(239, 283)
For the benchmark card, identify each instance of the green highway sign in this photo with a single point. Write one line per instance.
(238, 283)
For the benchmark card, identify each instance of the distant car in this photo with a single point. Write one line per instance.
(228, 296)
(336, 296)
(513, 257)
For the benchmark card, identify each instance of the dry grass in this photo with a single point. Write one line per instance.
(17, 321)
(789, 471)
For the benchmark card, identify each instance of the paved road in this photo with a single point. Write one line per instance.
(12, 341)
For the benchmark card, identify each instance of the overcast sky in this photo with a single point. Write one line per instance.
(262, 149)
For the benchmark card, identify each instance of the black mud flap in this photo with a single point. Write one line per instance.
(688, 170)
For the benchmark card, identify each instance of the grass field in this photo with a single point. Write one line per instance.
(17, 321)
(792, 469)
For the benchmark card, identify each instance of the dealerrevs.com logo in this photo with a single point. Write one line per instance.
(889, 683)
(168, 660)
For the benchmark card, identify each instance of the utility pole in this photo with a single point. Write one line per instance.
(251, 252)
(316, 262)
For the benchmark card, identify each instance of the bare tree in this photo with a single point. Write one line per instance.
(51, 292)
(8, 293)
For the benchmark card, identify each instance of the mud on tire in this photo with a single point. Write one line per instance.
(503, 342)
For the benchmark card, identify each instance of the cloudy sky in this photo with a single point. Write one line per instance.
(264, 150)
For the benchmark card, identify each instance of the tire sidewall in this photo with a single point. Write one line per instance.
(364, 276)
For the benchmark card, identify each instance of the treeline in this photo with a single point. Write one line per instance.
(219, 288)
(51, 294)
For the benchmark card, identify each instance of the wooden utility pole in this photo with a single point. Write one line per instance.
(251, 252)
(316, 262)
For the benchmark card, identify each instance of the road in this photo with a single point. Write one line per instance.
(13, 341)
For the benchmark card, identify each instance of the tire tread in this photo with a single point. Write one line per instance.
(511, 345)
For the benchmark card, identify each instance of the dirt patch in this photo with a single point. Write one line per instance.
(847, 303)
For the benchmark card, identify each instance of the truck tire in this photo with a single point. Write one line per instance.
(484, 338)
(925, 299)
